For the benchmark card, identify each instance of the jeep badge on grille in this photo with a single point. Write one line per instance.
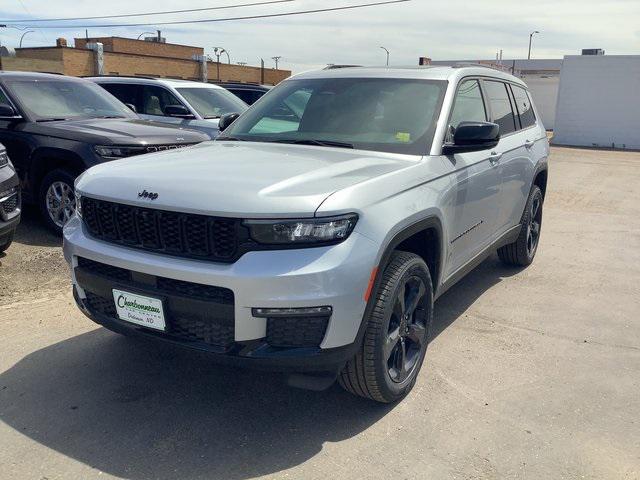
(149, 195)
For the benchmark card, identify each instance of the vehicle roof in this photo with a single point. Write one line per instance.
(11, 75)
(451, 74)
(170, 82)
(248, 86)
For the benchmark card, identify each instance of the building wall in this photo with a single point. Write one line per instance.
(81, 62)
(544, 90)
(142, 47)
(18, 64)
(599, 102)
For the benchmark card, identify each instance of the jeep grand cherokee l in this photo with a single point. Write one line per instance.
(316, 243)
(55, 127)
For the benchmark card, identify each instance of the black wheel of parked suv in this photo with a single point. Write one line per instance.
(523, 250)
(397, 332)
(57, 199)
(6, 243)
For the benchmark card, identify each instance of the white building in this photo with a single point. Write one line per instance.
(599, 101)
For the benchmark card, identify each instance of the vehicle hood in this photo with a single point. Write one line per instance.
(117, 131)
(244, 179)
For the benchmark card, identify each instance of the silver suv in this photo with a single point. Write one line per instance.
(313, 236)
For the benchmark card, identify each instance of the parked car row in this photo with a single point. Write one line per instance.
(55, 127)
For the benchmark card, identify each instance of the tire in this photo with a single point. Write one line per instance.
(523, 250)
(61, 183)
(373, 373)
(6, 242)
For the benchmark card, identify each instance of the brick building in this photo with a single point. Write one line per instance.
(126, 56)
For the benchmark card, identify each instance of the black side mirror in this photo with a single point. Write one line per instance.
(131, 107)
(472, 137)
(227, 120)
(7, 112)
(179, 111)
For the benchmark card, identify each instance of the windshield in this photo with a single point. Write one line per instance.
(382, 114)
(47, 100)
(212, 102)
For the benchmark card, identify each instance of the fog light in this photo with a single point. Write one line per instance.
(292, 312)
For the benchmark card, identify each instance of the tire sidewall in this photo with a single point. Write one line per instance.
(53, 176)
(535, 193)
(391, 389)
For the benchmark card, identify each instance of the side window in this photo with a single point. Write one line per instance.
(126, 93)
(468, 105)
(523, 103)
(155, 99)
(3, 98)
(501, 111)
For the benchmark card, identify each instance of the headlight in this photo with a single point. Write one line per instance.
(114, 151)
(304, 231)
(4, 159)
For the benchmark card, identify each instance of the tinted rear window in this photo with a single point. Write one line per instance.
(523, 104)
(501, 112)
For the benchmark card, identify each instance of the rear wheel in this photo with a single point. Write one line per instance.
(395, 342)
(523, 250)
(57, 199)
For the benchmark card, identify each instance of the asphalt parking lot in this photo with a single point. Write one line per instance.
(530, 374)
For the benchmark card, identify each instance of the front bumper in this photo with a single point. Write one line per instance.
(335, 276)
(10, 202)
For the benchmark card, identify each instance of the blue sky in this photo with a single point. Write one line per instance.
(442, 30)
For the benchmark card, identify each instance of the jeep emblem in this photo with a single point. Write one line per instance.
(149, 195)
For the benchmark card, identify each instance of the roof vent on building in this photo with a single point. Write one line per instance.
(158, 38)
(61, 42)
(592, 51)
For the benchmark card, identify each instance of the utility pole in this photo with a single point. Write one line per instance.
(383, 48)
(276, 59)
(530, 39)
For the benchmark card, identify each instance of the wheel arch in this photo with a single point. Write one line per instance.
(540, 177)
(45, 160)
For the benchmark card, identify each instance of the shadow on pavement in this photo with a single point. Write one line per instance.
(32, 230)
(144, 410)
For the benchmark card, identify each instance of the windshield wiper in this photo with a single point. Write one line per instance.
(109, 116)
(311, 141)
(211, 116)
(233, 139)
(51, 119)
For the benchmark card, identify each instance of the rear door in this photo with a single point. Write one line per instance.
(515, 160)
(473, 200)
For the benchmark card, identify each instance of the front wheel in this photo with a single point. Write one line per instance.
(6, 243)
(57, 199)
(397, 332)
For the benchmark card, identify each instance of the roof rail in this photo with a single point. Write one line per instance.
(335, 67)
(143, 77)
(492, 66)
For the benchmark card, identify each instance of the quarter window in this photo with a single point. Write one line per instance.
(468, 105)
(501, 111)
(523, 103)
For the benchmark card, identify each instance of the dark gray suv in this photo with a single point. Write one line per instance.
(54, 127)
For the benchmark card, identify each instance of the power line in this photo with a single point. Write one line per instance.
(228, 19)
(167, 12)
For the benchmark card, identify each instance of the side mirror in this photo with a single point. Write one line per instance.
(179, 111)
(472, 137)
(7, 112)
(131, 107)
(227, 120)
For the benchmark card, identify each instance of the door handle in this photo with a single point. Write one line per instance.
(494, 157)
(528, 144)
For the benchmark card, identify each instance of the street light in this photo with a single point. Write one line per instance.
(22, 36)
(276, 59)
(218, 51)
(387, 54)
(531, 38)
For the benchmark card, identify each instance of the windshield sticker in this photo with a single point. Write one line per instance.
(403, 137)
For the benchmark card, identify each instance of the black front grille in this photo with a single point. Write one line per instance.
(193, 312)
(296, 331)
(10, 203)
(179, 234)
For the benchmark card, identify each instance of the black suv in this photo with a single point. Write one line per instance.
(54, 127)
(9, 200)
(249, 93)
